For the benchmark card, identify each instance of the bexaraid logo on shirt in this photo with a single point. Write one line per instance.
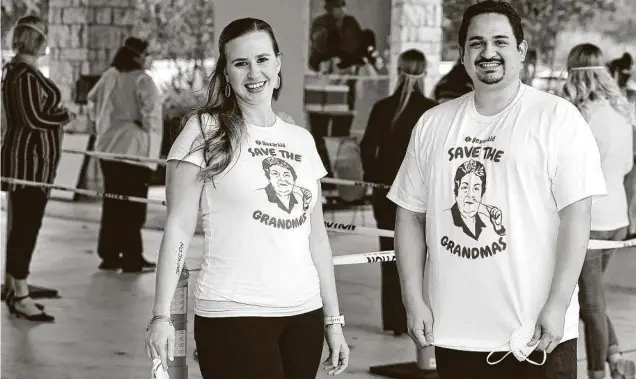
(473, 227)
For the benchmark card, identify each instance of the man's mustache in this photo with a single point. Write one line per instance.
(493, 60)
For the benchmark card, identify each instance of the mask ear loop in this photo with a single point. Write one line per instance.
(499, 361)
(545, 357)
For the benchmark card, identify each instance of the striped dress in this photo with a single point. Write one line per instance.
(31, 146)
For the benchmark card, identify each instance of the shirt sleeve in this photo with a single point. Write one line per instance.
(410, 187)
(149, 104)
(188, 145)
(576, 171)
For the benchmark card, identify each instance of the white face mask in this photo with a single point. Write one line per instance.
(518, 343)
(157, 371)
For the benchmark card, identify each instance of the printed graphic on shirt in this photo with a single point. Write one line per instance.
(476, 226)
(285, 202)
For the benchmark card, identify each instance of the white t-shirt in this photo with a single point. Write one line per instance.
(257, 221)
(491, 188)
(613, 133)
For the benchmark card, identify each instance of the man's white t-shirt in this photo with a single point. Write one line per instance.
(492, 188)
(257, 220)
(614, 135)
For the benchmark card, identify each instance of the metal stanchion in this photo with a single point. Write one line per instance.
(178, 369)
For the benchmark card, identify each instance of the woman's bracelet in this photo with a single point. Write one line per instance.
(158, 318)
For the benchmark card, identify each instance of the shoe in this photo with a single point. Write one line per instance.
(145, 266)
(9, 297)
(38, 317)
(110, 265)
(623, 369)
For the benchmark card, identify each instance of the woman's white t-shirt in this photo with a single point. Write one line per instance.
(257, 220)
(613, 133)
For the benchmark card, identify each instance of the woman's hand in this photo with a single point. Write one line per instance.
(338, 359)
(160, 341)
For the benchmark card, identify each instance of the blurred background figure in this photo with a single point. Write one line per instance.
(128, 120)
(30, 151)
(339, 46)
(529, 68)
(453, 85)
(276, 92)
(382, 150)
(596, 94)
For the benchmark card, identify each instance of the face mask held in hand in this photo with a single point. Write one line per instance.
(518, 343)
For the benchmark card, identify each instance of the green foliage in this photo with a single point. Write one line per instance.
(12, 10)
(542, 20)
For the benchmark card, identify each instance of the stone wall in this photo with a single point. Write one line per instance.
(417, 24)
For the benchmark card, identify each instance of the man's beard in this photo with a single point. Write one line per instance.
(492, 77)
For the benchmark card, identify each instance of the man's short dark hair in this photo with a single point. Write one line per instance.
(491, 6)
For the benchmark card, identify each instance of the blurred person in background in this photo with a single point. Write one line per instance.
(454, 84)
(621, 71)
(591, 88)
(127, 110)
(382, 150)
(31, 151)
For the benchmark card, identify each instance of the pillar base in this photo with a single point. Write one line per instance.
(407, 370)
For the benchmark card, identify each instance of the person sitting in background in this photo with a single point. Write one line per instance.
(591, 88)
(128, 121)
(31, 151)
(382, 150)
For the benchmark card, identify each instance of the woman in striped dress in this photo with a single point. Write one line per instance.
(30, 151)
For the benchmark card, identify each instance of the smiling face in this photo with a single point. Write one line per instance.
(281, 179)
(252, 67)
(491, 55)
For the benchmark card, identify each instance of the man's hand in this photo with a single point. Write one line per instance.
(549, 328)
(419, 321)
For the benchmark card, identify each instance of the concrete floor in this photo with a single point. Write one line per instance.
(101, 317)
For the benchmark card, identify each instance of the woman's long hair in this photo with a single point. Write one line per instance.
(221, 144)
(589, 80)
(411, 72)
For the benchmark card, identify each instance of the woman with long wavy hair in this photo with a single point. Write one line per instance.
(266, 296)
(382, 150)
(595, 93)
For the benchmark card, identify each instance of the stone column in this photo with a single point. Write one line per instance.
(417, 24)
(83, 37)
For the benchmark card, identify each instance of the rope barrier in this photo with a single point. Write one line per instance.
(330, 226)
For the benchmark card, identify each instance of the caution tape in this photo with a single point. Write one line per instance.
(357, 229)
(363, 78)
(134, 158)
(330, 226)
(355, 183)
(374, 257)
(85, 192)
(116, 157)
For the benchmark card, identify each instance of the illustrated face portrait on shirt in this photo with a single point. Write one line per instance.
(469, 212)
(282, 189)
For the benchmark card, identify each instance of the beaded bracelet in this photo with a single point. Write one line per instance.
(157, 318)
